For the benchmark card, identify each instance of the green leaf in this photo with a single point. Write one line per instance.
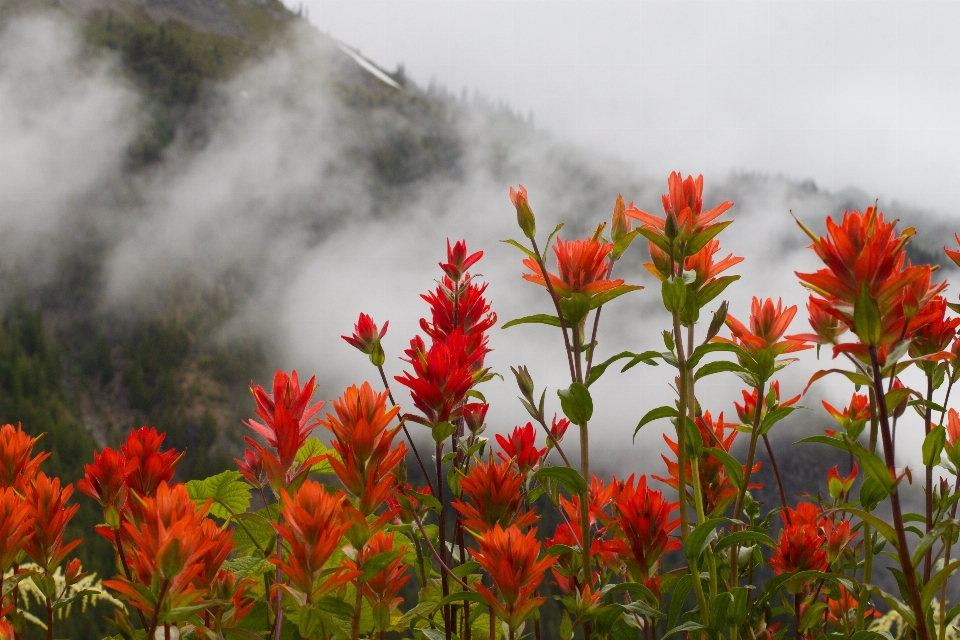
(597, 370)
(247, 566)
(871, 494)
(575, 308)
(875, 467)
(833, 442)
(674, 293)
(653, 236)
(623, 243)
(856, 378)
(253, 529)
(655, 414)
(896, 396)
(571, 479)
(711, 347)
(516, 244)
(882, 527)
(867, 323)
(701, 536)
(229, 492)
(700, 239)
(313, 448)
(717, 367)
(740, 537)
(242, 634)
(732, 466)
(712, 289)
(773, 417)
(432, 634)
(576, 403)
(540, 318)
(933, 445)
(927, 541)
(677, 599)
(378, 563)
(610, 294)
(689, 626)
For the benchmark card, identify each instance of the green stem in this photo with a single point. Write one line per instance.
(358, 605)
(867, 533)
(928, 503)
(946, 561)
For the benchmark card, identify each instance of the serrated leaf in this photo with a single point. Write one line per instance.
(539, 318)
(313, 448)
(229, 492)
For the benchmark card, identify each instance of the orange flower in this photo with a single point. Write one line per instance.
(685, 202)
(510, 557)
(801, 545)
(17, 468)
(933, 337)
(582, 267)
(460, 306)
(381, 589)
(718, 490)
(16, 521)
(363, 443)
(838, 485)
(644, 520)
(313, 525)
(826, 326)
(47, 508)
(494, 489)
(747, 411)
(701, 263)
(285, 425)
(854, 416)
(842, 612)
(147, 468)
(838, 536)
(520, 448)
(952, 445)
(768, 323)
(954, 255)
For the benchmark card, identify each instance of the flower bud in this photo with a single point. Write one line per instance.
(473, 416)
(525, 218)
(524, 381)
(620, 224)
(719, 317)
(671, 226)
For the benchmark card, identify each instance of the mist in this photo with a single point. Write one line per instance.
(280, 206)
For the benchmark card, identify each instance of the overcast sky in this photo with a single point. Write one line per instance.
(859, 94)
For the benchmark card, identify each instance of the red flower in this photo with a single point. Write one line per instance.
(460, 306)
(842, 612)
(826, 326)
(838, 485)
(16, 521)
(838, 536)
(582, 267)
(17, 468)
(768, 323)
(7, 631)
(510, 557)
(644, 520)
(381, 589)
(313, 525)
(363, 443)
(934, 335)
(952, 445)
(366, 338)
(474, 413)
(458, 261)
(285, 425)
(557, 429)
(801, 545)
(954, 255)
(701, 263)
(147, 468)
(494, 489)
(251, 467)
(718, 490)
(47, 508)
(685, 202)
(746, 411)
(520, 448)
(525, 218)
(106, 479)
(854, 417)
(441, 377)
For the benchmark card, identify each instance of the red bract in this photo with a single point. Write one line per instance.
(106, 479)
(838, 536)
(16, 521)
(954, 255)
(826, 326)
(718, 490)
(510, 557)
(934, 335)
(747, 411)
(167, 551)
(854, 416)
(700, 263)
(768, 323)
(474, 413)
(17, 468)
(441, 377)
(251, 467)
(458, 261)
(147, 468)
(558, 428)
(582, 266)
(801, 545)
(645, 525)
(685, 202)
(365, 336)
(381, 589)
(47, 508)
(952, 445)
(285, 418)
(363, 443)
(842, 611)
(520, 448)
(460, 306)
(494, 489)
(840, 485)
(313, 525)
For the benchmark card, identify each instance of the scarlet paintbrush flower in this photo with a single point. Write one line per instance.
(842, 611)
(520, 448)
(746, 411)
(366, 338)
(801, 545)
(474, 413)
(460, 306)
(826, 326)
(838, 536)
(685, 203)
(16, 521)
(700, 263)
(381, 589)
(441, 377)
(952, 445)
(511, 559)
(718, 490)
(17, 467)
(407, 505)
(768, 323)
(839, 485)
(313, 525)
(363, 443)
(854, 416)
(219, 544)
(558, 428)
(285, 420)
(582, 266)
(644, 528)
(47, 508)
(227, 588)
(954, 255)
(251, 467)
(147, 468)
(494, 489)
(167, 550)
(525, 217)
(106, 479)
(458, 261)
(935, 334)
